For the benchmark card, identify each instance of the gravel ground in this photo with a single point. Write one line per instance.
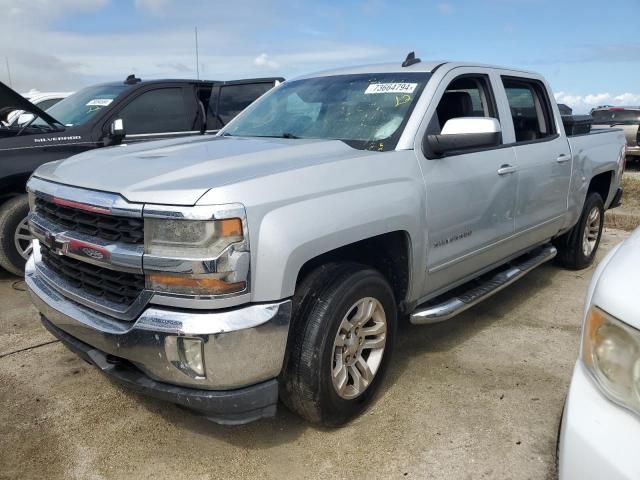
(477, 397)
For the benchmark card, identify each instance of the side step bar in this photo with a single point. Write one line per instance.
(439, 311)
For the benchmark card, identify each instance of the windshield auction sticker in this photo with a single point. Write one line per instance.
(391, 88)
(99, 102)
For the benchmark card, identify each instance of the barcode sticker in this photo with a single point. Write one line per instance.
(99, 102)
(391, 88)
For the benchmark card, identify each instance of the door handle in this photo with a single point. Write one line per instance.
(506, 169)
(563, 158)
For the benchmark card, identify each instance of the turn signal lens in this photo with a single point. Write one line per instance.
(189, 285)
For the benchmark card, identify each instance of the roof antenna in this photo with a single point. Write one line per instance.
(132, 80)
(410, 60)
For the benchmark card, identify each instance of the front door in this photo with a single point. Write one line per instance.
(470, 195)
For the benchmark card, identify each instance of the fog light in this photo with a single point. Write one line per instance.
(186, 355)
(190, 351)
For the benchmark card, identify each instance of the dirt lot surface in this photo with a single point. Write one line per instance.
(477, 397)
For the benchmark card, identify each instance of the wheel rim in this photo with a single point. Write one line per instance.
(22, 239)
(591, 232)
(358, 348)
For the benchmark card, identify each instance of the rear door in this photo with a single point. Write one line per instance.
(230, 98)
(160, 111)
(542, 157)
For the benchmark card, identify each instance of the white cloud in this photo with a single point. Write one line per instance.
(263, 60)
(154, 7)
(584, 103)
(445, 8)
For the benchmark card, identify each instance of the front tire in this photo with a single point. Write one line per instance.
(15, 238)
(343, 332)
(577, 248)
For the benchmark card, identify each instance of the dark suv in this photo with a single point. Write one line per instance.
(99, 116)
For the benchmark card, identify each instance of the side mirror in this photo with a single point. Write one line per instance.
(465, 133)
(116, 132)
(24, 119)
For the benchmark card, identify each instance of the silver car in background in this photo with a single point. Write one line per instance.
(600, 429)
(627, 118)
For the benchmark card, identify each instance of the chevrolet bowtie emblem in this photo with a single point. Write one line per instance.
(57, 245)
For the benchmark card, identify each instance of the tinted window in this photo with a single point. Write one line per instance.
(530, 111)
(78, 108)
(235, 98)
(48, 103)
(157, 111)
(618, 116)
(467, 96)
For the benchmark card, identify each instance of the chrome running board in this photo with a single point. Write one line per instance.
(443, 308)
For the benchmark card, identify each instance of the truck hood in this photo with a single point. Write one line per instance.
(180, 171)
(11, 100)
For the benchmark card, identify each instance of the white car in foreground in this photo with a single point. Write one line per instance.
(600, 431)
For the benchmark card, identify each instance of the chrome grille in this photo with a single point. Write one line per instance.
(117, 287)
(107, 227)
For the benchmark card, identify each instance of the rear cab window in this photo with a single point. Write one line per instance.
(530, 109)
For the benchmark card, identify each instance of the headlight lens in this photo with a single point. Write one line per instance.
(611, 351)
(200, 242)
(190, 238)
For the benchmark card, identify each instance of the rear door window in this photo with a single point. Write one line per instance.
(530, 109)
(158, 111)
(235, 98)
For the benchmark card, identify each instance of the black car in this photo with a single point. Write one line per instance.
(100, 116)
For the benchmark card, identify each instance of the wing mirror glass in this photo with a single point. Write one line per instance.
(24, 119)
(116, 132)
(465, 133)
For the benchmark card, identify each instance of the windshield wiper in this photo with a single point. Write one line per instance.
(288, 135)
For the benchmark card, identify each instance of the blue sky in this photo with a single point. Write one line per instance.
(588, 51)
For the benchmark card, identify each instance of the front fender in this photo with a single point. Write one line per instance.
(293, 234)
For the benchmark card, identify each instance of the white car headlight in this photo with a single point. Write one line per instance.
(611, 352)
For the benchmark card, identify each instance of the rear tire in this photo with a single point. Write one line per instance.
(13, 230)
(577, 248)
(342, 336)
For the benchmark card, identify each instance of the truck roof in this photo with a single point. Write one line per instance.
(422, 66)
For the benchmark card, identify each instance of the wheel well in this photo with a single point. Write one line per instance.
(387, 253)
(12, 186)
(601, 184)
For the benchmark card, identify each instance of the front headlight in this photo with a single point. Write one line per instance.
(196, 257)
(190, 238)
(611, 352)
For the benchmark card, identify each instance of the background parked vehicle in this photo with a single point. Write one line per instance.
(42, 100)
(98, 116)
(273, 260)
(600, 426)
(627, 118)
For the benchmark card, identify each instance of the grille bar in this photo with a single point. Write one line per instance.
(116, 287)
(111, 228)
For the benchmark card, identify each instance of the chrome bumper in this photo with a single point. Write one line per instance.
(241, 347)
(633, 150)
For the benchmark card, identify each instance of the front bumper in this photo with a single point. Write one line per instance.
(241, 347)
(633, 150)
(598, 439)
(617, 199)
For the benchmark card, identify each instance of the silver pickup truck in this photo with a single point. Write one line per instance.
(275, 260)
